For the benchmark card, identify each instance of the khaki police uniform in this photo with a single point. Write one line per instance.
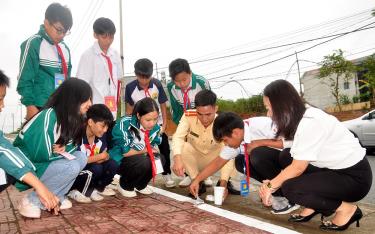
(197, 146)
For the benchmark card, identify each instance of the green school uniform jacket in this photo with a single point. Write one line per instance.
(39, 62)
(12, 160)
(36, 139)
(176, 97)
(124, 139)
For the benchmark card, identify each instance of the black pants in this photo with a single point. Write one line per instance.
(136, 171)
(166, 152)
(324, 189)
(95, 176)
(265, 163)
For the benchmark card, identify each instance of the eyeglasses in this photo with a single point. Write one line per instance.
(60, 31)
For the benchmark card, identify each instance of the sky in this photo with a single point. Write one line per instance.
(197, 30)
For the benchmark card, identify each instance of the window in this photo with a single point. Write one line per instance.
(346, 85)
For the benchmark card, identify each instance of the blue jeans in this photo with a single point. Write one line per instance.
(59, 177)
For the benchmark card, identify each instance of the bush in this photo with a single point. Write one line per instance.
(355, 99)
(344, 99)
(253, 104)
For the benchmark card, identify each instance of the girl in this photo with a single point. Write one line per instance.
(48, 137)
(134, 140)
(338, 173)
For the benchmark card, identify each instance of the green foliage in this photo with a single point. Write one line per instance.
(253, 104)
(369, 67)
(344, 99)
(355, 99)
(334, 68)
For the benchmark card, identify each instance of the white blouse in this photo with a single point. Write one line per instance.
(325, 142)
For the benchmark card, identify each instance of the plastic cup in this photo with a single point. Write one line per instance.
(219, 194)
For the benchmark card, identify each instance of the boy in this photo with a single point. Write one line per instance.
(45, 60)
(100, 66)
(193, 144)
(146, 86)
(100, 169)
(182, 90)
(18, 166)
(257, 136)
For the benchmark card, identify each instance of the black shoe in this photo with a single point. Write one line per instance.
(230, 187)
(301, 219)
(333, 227)
(202, 189)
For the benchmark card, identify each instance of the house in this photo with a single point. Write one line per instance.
(317, 92)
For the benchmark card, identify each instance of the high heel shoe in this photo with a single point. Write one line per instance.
(300, 219)
(333, 227)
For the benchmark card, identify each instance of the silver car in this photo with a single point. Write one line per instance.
(363, 128)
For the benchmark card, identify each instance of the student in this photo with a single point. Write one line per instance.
(146, 86)
(45, 60)
(341, 174)
(18, 166)
(257, 136)
(100, 66)
(100, 169)
(135, 138)
(182, 90)
(193, 144)
(49, 139)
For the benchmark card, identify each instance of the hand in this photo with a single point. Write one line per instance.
(105, 157)
(163, 128)
(178, 166)
(194, 188)
(31, 111)
(224, 183)
(58, 149)
(265, 193)
(48, 199)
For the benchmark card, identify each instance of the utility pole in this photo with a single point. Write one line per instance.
(157, 72)
(121, 39)
(299, 76)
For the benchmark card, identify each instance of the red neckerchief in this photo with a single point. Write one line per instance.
(63, 62)
(186, 98)
(247, 160)
(150, 152)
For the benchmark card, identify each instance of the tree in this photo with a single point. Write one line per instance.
(368, 67)
(334, 68)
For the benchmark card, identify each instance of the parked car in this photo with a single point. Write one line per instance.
(363, 128)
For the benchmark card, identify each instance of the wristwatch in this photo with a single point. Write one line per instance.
(269, 185)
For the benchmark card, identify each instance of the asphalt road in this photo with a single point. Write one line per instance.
(370, 198)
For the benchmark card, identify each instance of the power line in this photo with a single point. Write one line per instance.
(289, 55)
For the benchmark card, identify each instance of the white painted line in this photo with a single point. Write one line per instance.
(251, 222)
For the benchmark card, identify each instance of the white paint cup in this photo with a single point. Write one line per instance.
(219, 194)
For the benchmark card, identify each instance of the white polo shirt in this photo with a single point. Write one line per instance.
(325, 142)
(93, 68)
(256, 128)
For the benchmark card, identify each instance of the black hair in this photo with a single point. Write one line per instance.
(143, 67)
(100, 113)
(225, 123)
(177, 66)
(141, 108)
(66, 101)
(104, 26)
(205, 97)
(4, 80)
(58, 13)
(287, 107)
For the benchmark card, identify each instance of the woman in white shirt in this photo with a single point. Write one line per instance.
(341, 172)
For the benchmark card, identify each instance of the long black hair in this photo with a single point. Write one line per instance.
(141, 108)
(287, 107)
(66, 101)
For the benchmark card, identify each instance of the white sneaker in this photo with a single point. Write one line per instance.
(95, 196)
(27, 209)
(208, 182)
(126, 193)
(116, 179)
(147, 191)
(78, 197)
(169, 183)
(107, 192)
(185, 182)
(66, 204)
